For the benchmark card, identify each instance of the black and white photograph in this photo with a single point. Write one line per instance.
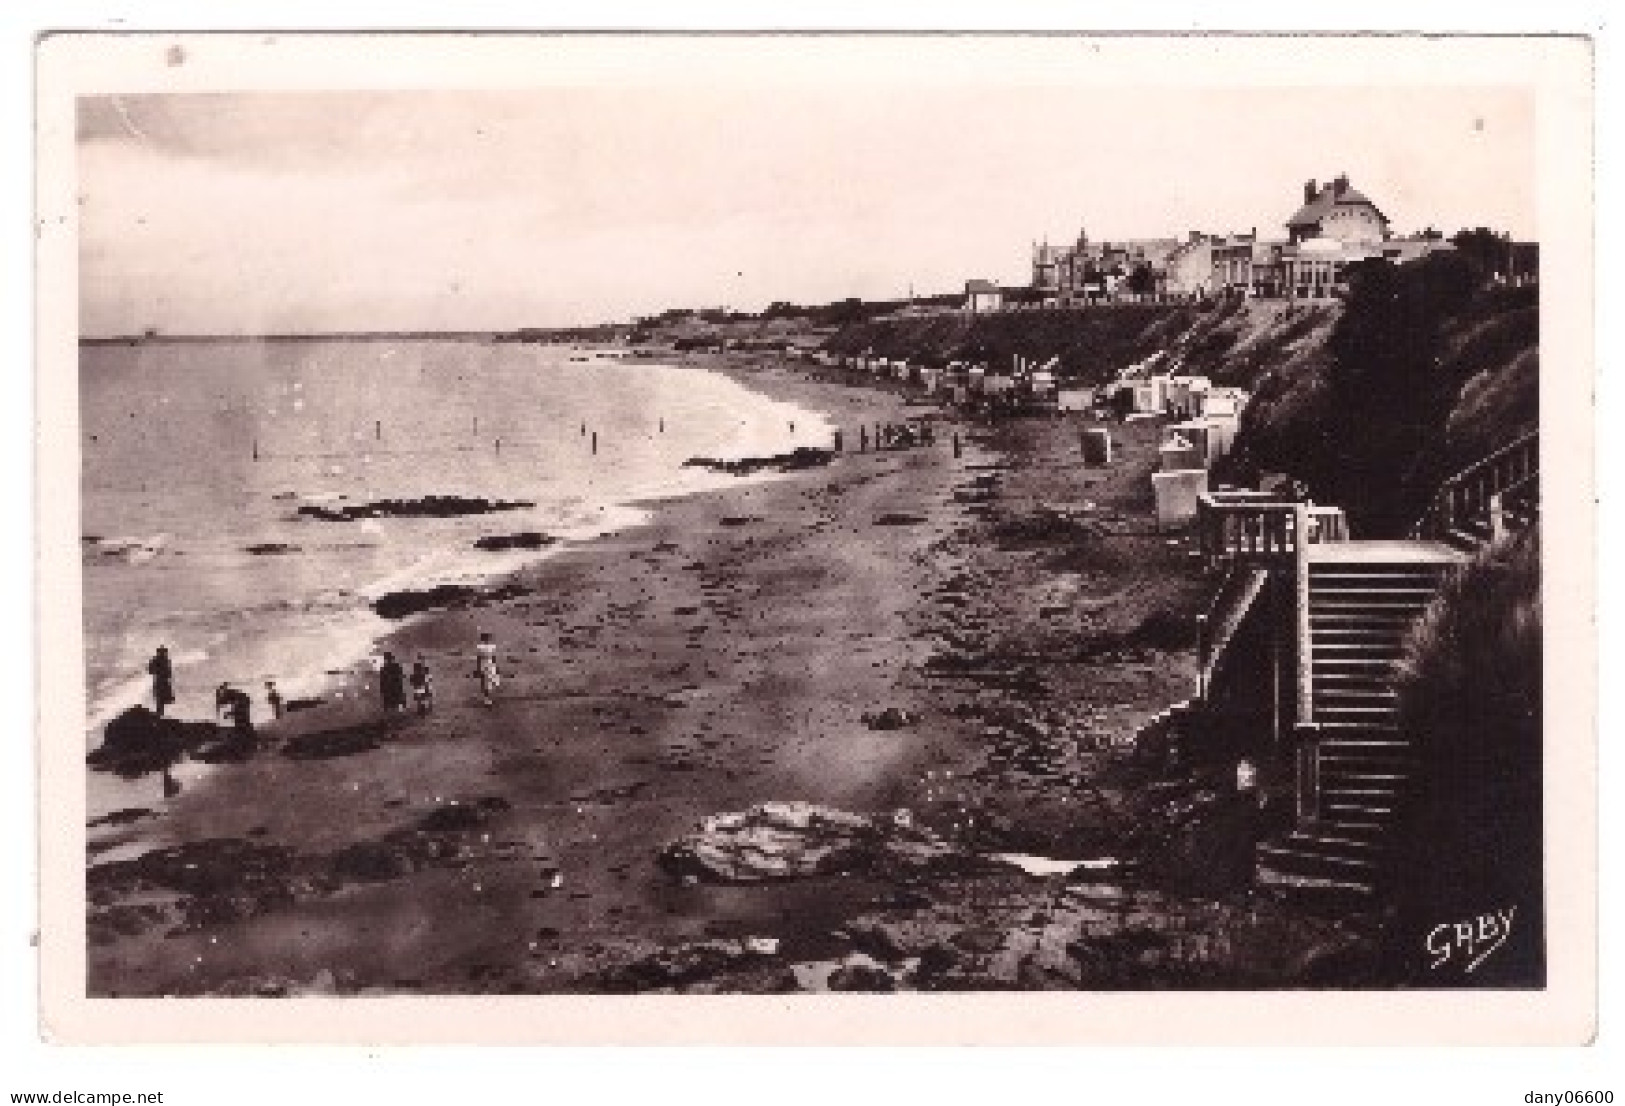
(651, 516)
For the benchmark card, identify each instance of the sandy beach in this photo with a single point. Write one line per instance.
(1017, 614)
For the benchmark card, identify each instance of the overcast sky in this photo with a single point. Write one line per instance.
(285, 212)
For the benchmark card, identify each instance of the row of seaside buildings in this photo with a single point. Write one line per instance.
(1335, 226)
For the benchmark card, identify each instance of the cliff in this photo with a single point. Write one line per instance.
(1371, 401)
(1231, 341)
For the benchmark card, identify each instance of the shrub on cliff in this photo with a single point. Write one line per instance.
(1426, 371)
(1470, 703)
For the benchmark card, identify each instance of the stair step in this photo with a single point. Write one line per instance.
(1269, 877)
(1360, 776)
(1366, 812)
(1346, 793)
(1310, 861)
(1354, 570)
(1332, 840)
(1354, 679)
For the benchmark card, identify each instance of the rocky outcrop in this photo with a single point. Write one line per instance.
(138, 742)
(528, 539)
(802, 457)
(430, 506)
(775, 841)
(400, 604)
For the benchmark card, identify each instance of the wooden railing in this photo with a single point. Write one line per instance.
(1256, 528)
(1236, 527)
(1474, 494)
(1234, 597)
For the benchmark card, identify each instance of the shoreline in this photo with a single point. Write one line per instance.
(724, 653)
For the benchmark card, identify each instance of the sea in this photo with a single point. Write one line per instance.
(197, 452)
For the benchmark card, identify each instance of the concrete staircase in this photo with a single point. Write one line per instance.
(1359, 615)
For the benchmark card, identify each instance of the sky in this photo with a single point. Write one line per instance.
(287, 212)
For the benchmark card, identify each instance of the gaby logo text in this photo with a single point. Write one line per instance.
(1471, 941)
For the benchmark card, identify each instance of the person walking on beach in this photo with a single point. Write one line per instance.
(422, 686)
(392, 683)
(236, 708)
(163, 679)
(274, 698)
(485, 667)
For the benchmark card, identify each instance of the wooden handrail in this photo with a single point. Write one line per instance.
(1305, 649)
(1466, 495)
(1233, 527)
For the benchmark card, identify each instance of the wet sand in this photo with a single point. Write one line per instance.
(1020, 608)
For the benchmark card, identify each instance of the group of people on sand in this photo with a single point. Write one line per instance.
(234, 707)
(897, 435)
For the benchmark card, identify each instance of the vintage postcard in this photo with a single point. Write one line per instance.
(736, 538)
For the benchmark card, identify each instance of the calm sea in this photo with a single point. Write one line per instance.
(174, 495)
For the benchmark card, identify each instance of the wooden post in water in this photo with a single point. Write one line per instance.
(595, 443)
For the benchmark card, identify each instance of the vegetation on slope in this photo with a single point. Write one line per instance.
(1230, 340)
(1470, 702)
(1426, 370)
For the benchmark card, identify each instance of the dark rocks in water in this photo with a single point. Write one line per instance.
(121, 817)
(400, 604)
(229, 747)
(268, 548)
(897, 518)
(430, 506)
(529, 539)
(861, 977)
(346, 742)
(371, 862)
(217, 867)
(737, 520)
(802, 457)
(892, 718)
(223, 880)
(456, 817)
(138, 742)
(682, 964)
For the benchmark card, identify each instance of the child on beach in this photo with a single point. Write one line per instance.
(485, 667)
(392, 683)
(274, 698)
(163, 679)
(422, 688)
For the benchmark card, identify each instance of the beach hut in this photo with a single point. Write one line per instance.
(1149, 395)
(1097, 445)
(1179, 452)
(1220, 403)
(1177, 493)
(1210, 439)
(1074, 399)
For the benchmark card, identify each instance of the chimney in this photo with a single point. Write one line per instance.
(1309, 191)
(1341, 184)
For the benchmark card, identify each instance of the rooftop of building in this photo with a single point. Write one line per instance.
(1319, 203)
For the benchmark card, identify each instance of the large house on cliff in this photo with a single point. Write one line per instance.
(1334, 227)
